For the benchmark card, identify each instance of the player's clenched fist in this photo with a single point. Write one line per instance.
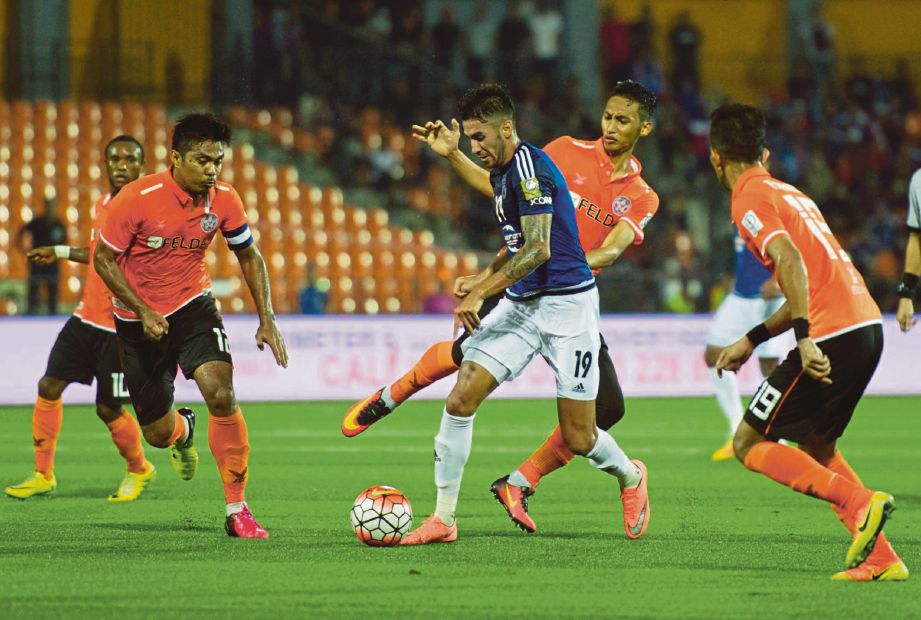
(905, 314)
(41, 256)
(155, 326)
(467, 312)
(732, 357)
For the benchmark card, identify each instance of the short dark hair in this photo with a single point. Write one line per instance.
(198, 127)
(125, 138)
(638, 94)
(738, 132)
(485, 101)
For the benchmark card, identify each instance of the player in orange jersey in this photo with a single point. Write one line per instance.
(152, 258)
(613, 206)
(85, 350)
(906, 310)
(811, 396)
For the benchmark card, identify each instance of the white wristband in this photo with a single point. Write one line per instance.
(62, 251)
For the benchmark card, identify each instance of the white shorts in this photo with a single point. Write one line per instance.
(736, 315)
(562, 328)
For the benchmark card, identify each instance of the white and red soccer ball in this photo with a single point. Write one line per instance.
(381, 516)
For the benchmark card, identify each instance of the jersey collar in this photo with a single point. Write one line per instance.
(752, 173)
(183, 196)
(607, 167)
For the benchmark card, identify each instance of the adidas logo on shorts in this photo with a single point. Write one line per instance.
(579, 389)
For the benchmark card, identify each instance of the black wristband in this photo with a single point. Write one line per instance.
(801, 328)
(907, 285)
(758, 334)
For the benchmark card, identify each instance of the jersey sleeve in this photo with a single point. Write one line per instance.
(234, 225)
(641, 214)
(121, 226)
(758, 221)
(914, 202)
(534, 186)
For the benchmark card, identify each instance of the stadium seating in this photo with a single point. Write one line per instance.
(369, 265)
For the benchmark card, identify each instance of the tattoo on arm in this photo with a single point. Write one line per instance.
(536, 250)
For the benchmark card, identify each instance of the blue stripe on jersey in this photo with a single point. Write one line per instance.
(750, 273)
(531, 184)
(239, 238)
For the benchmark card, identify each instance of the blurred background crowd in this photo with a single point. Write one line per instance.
(330, 89)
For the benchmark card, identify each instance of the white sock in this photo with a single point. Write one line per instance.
(452, 447)
(726, 389)
(185, 433)
(517, 478)
(235, 507)
(388, 399)
(607, 456)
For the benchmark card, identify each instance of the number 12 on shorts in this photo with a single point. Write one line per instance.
(764, 401)
(222, 345)
(583, 363)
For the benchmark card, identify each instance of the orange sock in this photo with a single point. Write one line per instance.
(46, 426)
(883, 554)
(179, 428)
(802, 473)
(549, 457)
(230, 446)
(436, 363)
(126, 435)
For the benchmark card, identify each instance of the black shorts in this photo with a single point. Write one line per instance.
(196, 335)
(82, 353)
(790, 405)
(609, 404)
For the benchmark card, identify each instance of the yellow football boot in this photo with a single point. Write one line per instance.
(133, 484)
(724, 453)
(869, 525)
(868, 572)
(36, 484)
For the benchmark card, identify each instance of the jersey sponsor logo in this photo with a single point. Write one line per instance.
(512, 238)
(579, 389)
(621, 205)
(751, 223)
(594, 211)
(540, 200)
(176, 243)
(531, 188)
(209, 222)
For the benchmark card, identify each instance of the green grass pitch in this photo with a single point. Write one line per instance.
(722, 542)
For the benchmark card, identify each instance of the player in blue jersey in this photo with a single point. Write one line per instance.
(754, 297)
(550, 307)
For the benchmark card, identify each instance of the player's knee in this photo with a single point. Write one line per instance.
(460, 405)
(50, 388)
(107, 414)
(579, 441)
(156, 436)
(221, 401)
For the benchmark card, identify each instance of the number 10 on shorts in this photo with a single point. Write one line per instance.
(222, 345)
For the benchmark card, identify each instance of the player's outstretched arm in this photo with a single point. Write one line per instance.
(445, 142)
(257, 279)
(534, 252)
(791, 272)
(47, 254)
(155, 326)
(618, 240)
(906, 310)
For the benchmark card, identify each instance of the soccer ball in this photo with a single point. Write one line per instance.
(381, 516)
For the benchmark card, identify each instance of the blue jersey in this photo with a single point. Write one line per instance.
(531, 184)
(750, 273)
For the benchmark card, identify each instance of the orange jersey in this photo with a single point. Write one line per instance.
(764, 208)
(95, 307)
(161, 236)
(602, 202)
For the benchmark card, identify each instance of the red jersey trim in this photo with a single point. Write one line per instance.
(845, 330)
(767, 239)
(91, 324)
(135, 319)
(640, 235)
